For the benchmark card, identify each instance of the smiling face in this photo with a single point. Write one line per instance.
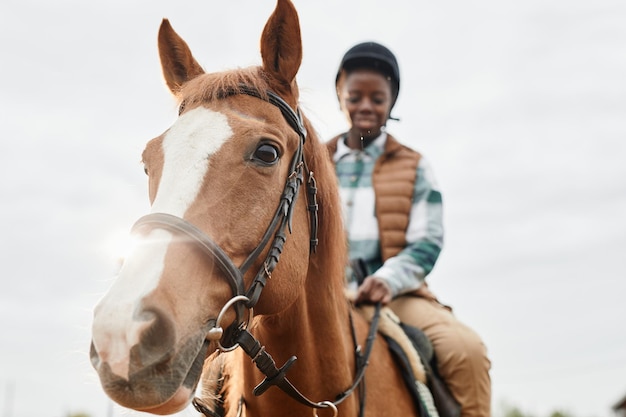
(366, 100)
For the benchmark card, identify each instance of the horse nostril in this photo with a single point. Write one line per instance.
(156, 340)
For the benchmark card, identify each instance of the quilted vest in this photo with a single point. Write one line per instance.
(393, 180)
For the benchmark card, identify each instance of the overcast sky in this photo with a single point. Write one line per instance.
(519, 105)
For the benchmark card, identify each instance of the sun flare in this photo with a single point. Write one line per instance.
(119, 245)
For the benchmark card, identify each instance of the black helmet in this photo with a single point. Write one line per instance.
(375, 56)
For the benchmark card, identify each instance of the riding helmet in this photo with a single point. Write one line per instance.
(375, 56)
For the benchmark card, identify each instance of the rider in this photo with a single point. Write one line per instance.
(392, 211)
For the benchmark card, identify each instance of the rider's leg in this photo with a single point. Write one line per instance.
(461, 355)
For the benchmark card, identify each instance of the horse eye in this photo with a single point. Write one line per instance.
(266, 153)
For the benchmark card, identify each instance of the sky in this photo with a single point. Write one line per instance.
(518, 105)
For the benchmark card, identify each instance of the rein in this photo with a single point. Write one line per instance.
(236, 334)
(275, 376)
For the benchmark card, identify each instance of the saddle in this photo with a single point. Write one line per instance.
(416, 358)
(415, 355)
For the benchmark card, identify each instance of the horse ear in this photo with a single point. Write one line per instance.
(177, 62)
(281, 44)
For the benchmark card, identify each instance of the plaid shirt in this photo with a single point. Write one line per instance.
(407, 270)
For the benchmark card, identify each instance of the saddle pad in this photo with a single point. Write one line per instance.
(419, 391)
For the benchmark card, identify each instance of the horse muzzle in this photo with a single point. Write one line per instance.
(146, 368)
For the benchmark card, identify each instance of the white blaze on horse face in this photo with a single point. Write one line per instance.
(187, 147)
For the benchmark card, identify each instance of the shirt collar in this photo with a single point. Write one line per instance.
(374, 149)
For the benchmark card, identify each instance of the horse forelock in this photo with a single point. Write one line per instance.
(217, 85)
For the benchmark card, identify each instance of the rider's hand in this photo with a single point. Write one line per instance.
(373, 290)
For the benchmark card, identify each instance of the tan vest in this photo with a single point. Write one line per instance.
(393, 179)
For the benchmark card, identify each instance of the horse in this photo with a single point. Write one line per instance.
(204, 285)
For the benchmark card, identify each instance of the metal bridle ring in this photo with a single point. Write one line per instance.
(326, 404)
(220, 316)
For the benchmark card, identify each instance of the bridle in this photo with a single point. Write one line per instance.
(236, 334)
(276, 229)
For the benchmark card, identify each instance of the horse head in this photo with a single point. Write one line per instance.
(224, 190)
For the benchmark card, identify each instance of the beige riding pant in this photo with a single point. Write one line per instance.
(461, 355)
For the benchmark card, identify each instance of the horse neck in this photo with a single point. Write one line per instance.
(317, 327)
(317, 330)
(320, 317)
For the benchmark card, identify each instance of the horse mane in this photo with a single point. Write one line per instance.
(332, 248)
(213, 86)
